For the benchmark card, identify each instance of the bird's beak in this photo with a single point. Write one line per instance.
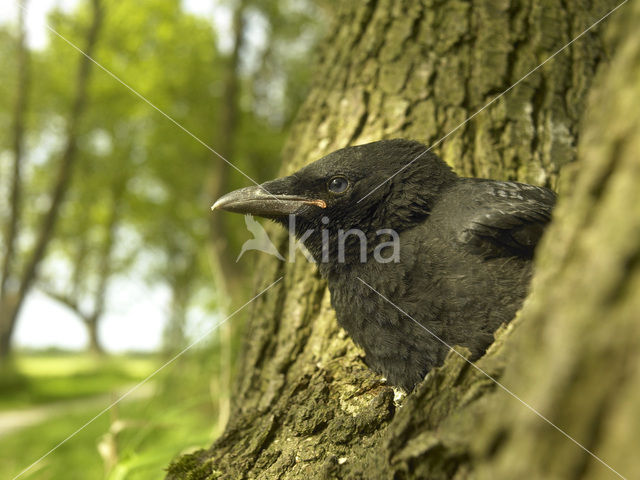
(257, 200)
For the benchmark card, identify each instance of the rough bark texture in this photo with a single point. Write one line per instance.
(307, 407)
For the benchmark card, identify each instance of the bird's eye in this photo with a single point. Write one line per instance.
(338, 184)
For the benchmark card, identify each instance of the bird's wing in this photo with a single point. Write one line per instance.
(505, 218)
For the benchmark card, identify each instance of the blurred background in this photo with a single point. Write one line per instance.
(110, 261)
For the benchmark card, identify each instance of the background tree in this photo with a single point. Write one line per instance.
(92, 252)
(8, 301)
(271, 78)
(22, 280)
(123, 145)
(305, 404)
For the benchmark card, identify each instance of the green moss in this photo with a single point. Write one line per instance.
(192, 467)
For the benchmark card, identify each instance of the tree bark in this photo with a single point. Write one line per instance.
(305, 404)
(10, 309)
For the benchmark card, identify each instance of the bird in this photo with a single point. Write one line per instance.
(446, 259)
(260, 240)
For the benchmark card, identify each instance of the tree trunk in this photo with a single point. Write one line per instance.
(226, 270)
(10, 310)
(7, 298)
(175, 334)
(19, 113)
(305, 404)
(94, 347)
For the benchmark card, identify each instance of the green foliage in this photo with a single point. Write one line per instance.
(138, 200)
(135, 440)
(77, 459)
(134, 160)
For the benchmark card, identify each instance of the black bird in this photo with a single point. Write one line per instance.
(456, 255)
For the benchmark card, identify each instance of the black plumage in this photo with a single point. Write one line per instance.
(464, 258)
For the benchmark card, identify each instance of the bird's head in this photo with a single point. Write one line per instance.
(385, 184)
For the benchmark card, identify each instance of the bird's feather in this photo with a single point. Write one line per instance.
(505, 218)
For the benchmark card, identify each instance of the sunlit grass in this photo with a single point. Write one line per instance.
(44, 378)
(76, 459)
(66, 364)
(141, 439)
(135, 440)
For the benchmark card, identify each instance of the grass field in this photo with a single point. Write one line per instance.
(50, 377)
(134, 440)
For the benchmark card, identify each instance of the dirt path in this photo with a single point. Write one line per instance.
(15, 420)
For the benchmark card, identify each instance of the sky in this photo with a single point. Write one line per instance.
(37, 11)
(137, 325)
(138, 322)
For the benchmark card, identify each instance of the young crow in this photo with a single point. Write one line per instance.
(453, 253)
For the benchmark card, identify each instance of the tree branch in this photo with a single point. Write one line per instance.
(68, 301)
